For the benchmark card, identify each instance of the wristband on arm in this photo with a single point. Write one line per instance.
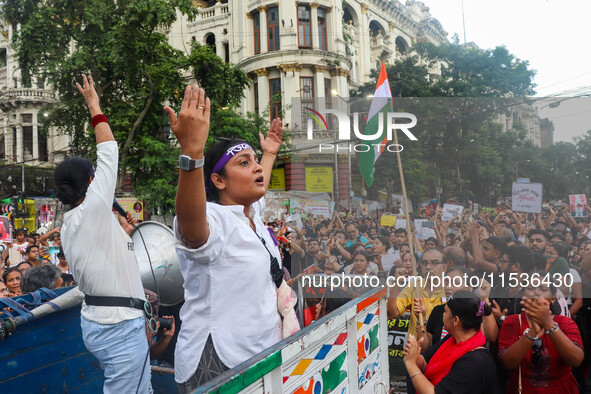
(96, 119)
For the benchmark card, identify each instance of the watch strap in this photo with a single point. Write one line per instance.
(187, 164)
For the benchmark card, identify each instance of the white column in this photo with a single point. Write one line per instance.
(263, 82)
(19, 142)
(264, 39)
(364, 44)
(247, 39)
(314, 24)
(340, 84)
(35, 137)
(319, 82)
(288, 12)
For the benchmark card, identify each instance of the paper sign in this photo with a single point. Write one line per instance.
(578, 205)
(132, 205)
(527, 197)
(14, 255)
(422, 231)
(451, 211)
(294, 221)
(4, 229)
(388, 220)
(401, 223)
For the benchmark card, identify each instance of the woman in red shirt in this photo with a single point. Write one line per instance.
(540, 346)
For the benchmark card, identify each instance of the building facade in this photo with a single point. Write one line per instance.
(23, 140)
(312, 51)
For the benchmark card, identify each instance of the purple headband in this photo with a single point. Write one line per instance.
(228, 155)
(480, 309)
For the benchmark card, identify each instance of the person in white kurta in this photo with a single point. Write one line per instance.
(230, 312)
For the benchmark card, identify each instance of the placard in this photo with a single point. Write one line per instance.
(423, 232)
(5, 229)
(132, 205)
(388, 220)
(578, 205)
(526, 197)
(294, 221)
(401, 223)
(451, 211)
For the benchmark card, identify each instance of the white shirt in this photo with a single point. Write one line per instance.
(99, 252)
(229, 292)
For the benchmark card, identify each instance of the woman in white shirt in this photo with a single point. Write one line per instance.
(227, 257)
(102, 260)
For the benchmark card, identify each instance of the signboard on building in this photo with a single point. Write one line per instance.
(527, 197)
(277, 179)
(319, 179)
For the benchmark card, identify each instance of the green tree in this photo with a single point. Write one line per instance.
(124, 46)
(461, 146)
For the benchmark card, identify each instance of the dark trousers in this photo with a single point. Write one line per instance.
(210, 366)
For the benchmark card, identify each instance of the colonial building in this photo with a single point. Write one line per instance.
(314, 51)
(22, 137)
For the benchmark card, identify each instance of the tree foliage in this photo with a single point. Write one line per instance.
(123, 44)
(462, 147)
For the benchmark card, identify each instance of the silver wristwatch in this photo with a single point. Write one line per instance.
(188, 164)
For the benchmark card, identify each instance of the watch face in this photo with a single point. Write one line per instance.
(184, 162)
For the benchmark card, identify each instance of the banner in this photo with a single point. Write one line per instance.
(133, 205)
(277, 179)
(578, 205)
(451, 211)
(526, 197)
(315, 207)
(319, 179)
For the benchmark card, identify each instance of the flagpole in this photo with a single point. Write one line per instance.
(406, 214)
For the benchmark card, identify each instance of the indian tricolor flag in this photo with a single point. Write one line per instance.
(381, 103)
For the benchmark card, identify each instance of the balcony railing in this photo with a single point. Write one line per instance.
(27, 94)
(218, 9)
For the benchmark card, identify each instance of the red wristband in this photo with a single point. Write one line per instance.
(96, 119)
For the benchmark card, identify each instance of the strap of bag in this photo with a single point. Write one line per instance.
(276, 271)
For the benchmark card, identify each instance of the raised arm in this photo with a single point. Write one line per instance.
(102, 130)
(270, 146)
(44, 237)
(477, 254)
(191, 128)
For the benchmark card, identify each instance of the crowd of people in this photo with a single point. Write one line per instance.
(32, 266)
(525, 327)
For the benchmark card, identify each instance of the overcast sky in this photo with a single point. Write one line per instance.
(553, 35)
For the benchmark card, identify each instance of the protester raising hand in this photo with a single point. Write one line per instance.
(191, 128)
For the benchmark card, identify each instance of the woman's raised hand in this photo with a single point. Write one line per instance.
(191, 127)
(272, 142)
(89, 93)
